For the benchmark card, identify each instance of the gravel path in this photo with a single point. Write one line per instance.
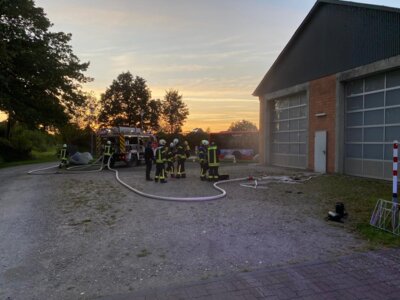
(83, 236)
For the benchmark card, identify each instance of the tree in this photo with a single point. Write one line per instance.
(127, 103)
(242, 125)
(195, 137)
(85, 116)
(40, 76)
(154, 112)
(174, 111)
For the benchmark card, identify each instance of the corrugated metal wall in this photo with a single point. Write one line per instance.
(336, 38)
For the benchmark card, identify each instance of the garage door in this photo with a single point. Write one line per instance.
(289, 131)
(372, 122)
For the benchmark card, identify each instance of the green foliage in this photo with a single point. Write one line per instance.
(242, 125)
(75, 137)
(39, 74)
(169, 137)
(23, 141)
(127, 103)
(36, 157)
(194, 138)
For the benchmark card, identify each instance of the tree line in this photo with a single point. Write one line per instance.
(127, 102)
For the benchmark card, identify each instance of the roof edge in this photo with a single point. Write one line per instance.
(305, 21)
(291, 40)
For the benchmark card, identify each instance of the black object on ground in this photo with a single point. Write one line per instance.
(339, 213)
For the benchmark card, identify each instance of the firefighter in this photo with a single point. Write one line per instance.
(170, 156)
(160, 163)
(149, 158)
(187, 149)
(63, 156)
(107, 152)
(202, 154)
(213, 162)
(181, 158)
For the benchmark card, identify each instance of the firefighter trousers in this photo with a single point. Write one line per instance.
(160, 172)
(180, 172)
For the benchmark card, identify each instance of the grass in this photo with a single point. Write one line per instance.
(359, 196)
(143, 253)
(37, 157)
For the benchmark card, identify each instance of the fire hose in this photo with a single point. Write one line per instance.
(147, 195)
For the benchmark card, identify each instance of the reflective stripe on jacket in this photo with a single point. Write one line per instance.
(213, 160)
(107, 150)
(160, 155)
(63, 153)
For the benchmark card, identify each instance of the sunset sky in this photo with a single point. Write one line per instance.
(215, 52)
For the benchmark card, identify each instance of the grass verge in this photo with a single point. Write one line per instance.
(37, 157)
(359, 196)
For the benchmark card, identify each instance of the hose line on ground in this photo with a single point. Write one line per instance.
(188, 199)
(157, 197)
(69, 170)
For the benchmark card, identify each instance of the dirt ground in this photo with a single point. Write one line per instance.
(84, 235)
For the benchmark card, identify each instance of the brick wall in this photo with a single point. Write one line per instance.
(322, 99)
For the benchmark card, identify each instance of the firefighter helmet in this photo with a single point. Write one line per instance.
(108, 142)
(65, 146)
(171, 145)
(204, 142)
(162, 142)
(176, 141)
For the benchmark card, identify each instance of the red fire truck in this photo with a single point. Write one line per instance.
(128, 144)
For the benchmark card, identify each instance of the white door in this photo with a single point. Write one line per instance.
(320, 152)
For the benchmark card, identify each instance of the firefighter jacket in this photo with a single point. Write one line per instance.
(213, 153)
(169, 155)
(202, 153)
(187, 149)
(107, 150)
(180, 152)
(63, 153)
(160, 155)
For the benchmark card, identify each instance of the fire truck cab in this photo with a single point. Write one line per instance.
(128, 144)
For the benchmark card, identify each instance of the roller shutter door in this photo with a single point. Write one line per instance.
(372, 122)
(289, 131)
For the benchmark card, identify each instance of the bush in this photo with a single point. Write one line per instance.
(23, 141)
(10, 152)
(75, 137)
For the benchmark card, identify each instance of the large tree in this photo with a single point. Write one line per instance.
(86, 115)
(242, 125)
(127, 103)
(154, 111)
(40, 76)
(174, 111)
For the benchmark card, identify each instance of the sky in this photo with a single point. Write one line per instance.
(214, 52)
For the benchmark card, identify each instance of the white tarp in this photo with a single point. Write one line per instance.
(80, 158)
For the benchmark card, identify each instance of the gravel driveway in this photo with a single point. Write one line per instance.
(82, 236)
